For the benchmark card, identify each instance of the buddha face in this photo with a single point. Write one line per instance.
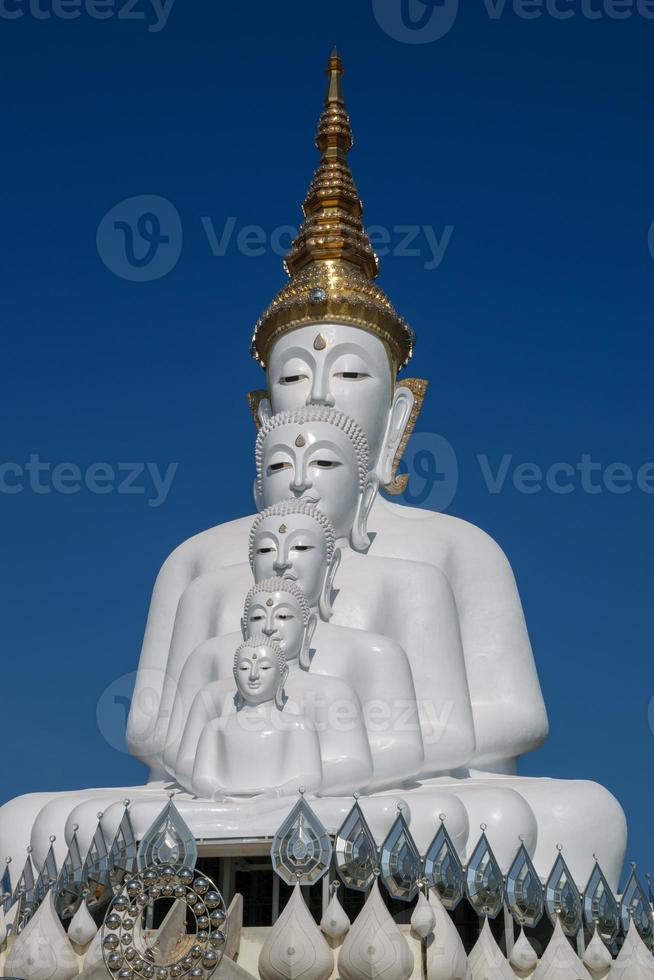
(258, 675)
(335, 365)
(292, 547)
(312, 461)
(277, 616)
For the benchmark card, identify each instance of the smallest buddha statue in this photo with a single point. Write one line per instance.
(261, 742)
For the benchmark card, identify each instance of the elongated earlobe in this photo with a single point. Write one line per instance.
(400, 414)
(359, 538)
(258, 502)
(280, 694)
(305, 657)
(325, 607)
(244, 629)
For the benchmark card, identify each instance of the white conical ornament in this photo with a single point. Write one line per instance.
(486, 960)
(446, 956)
(559, 961)
(334, 922)
(523, 956)
(82, 928)
(94, 958)
(42, 950)
(423, 919)
(634, 962)
(374, 946)
(597, 958)
(295, 946)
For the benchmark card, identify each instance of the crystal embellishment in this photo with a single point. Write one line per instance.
(484, 882)
(600, 906)
(24, 894)
(562, 899)
(355, 850)
(524, 891)
(443, 869)
(46, 878)
(301, 850)
(95, 871)
(400, 862)
(167, 841)
(635, 905)
(122, 854)
(5, 887)
(68, 886)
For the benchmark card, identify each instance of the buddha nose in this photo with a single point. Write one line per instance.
(254, 672)
(320, 393)
(281, 562)
(300, 482)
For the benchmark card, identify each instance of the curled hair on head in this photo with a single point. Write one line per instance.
(255, 643)
(294, 506)
(278, 585)
(316, 413)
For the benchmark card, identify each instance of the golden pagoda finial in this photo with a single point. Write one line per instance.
(331, 263)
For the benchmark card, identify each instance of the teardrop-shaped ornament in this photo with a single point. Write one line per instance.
(23, 894)
(484, 881)
(67, 888)
(559, 961)
(374, 946)
(167, 841)
(562, 899)
(634, 961)
(523, 956)
(597, 958)
(301, 850)
(82, 928)
(122, 853)
(443, 869)
(423, 919)
(524, 891)
(334, 923)
(487, 962)
(446, 957)
(42, 950)
(46, 878)
(95, 870)
(400, 862)
(600, 907)
(634, 906)
(295, 946)
(355, 851)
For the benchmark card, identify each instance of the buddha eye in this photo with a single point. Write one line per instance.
(276, 467)
(284, 616)
(303, 547)
(256, 618)
(326, 464)
(264, 551)
(351, 375)
(292, 379)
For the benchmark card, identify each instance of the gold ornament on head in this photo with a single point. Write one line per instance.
(331, 263)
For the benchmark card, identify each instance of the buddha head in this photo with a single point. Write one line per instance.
(260, 672)
(331, 336)
(319, 455)
(294, 540)
(278, 609)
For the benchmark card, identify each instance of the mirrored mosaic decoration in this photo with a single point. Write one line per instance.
(5, 887)
(600, 906)
(301, 849)
(443, 869)
(484, 881)
(46, 878)
(355, 851)
(125, 948)
(399, 862)
(122, 854)
(24, 893)
(95, 870)
(524, 890)
(167, 841)
(562, 899)
(635, 905)
(67, 889)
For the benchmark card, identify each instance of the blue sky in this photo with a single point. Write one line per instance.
(521, 147)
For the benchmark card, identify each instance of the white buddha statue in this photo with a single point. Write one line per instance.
(260, 741)
(332, 338)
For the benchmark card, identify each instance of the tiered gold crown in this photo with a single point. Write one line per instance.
(331, 263)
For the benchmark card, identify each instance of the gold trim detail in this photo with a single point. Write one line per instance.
(418, 387)
(254, 400)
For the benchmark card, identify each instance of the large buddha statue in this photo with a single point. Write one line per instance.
(431, 597)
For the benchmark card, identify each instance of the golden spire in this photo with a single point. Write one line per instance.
(331, 263)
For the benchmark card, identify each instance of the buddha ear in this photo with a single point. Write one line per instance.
(398, 420)
(243, 628)
(359, 537)
(258, 496)
(280, 695)
(304, 658)
(325, 607)
(259, 402)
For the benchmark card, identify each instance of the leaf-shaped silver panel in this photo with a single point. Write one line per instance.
(443, 869)
(301, 850)
(562, 899)
(400, 862)
(122, 853)
(484, 881)
(68, 886)
(635, 905)
(524, 890)
(95, 871)
(600, 906)
(167, 841)
(46, 878)
(355, 850)
(23, 893)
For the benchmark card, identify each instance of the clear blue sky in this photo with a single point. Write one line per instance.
(532, 139)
